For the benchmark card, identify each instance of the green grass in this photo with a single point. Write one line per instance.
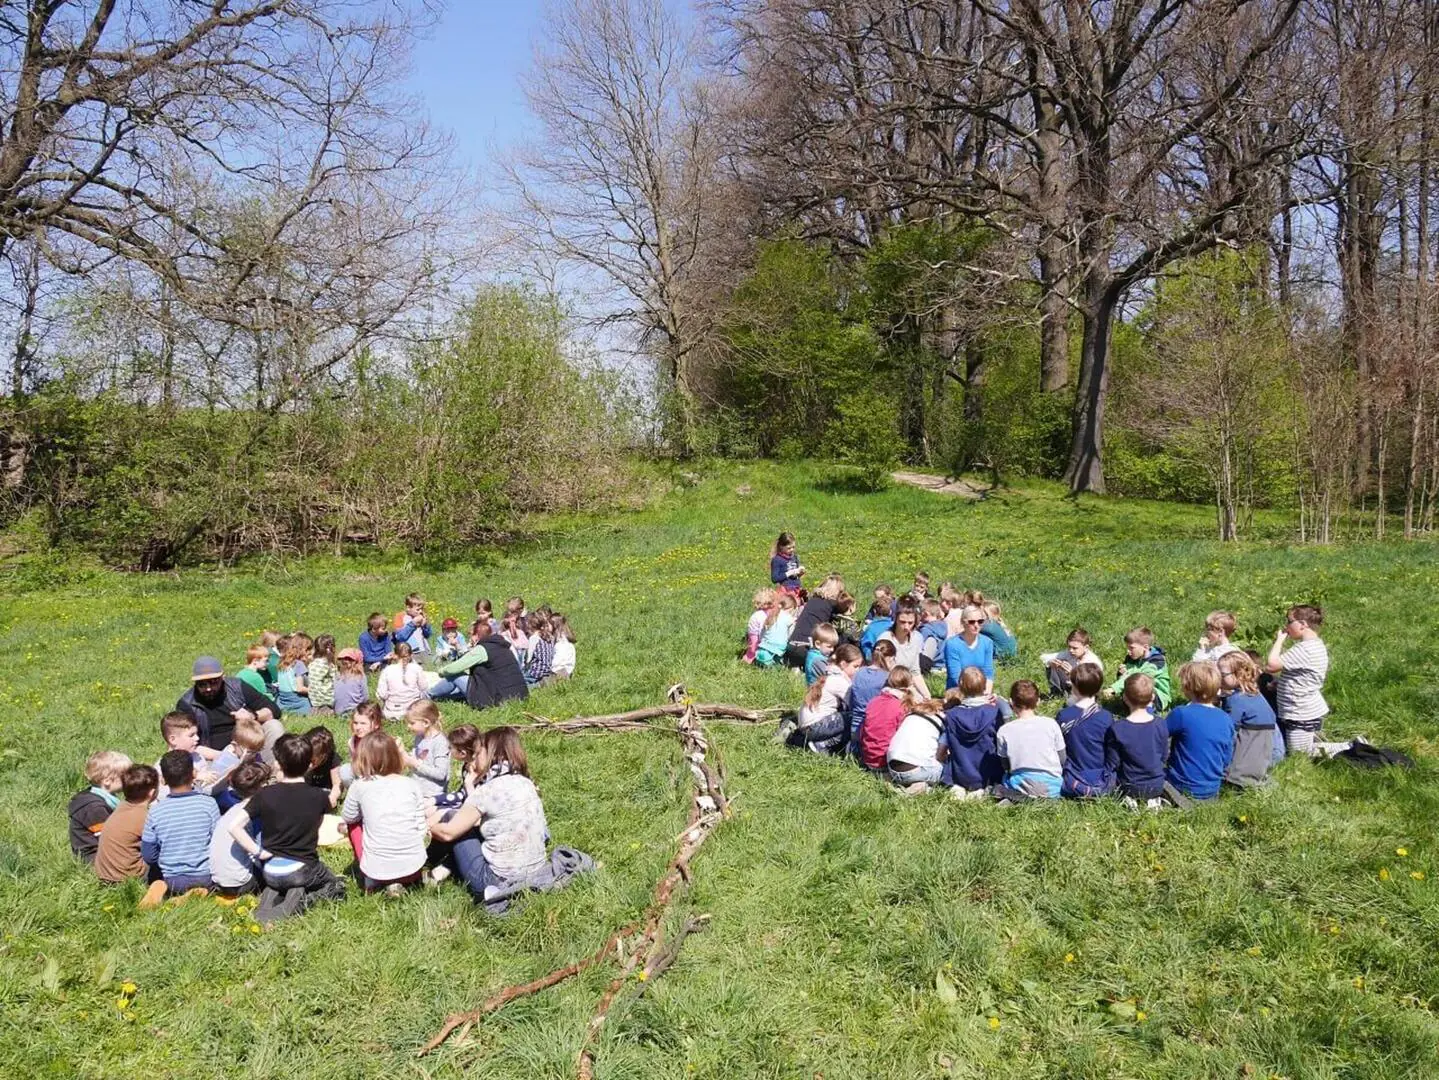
(843, 915)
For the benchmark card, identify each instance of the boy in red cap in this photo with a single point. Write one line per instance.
(452, 644)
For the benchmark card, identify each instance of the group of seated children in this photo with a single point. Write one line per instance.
(305, 675)
(250, 821)
(868, 695)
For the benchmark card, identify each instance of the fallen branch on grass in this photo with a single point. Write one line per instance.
(648, 956)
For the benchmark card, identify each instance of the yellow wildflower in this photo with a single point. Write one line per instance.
(1253, 950)
(994, 1023)
(128, 987)
(1141, 1016)
(1069, 958)
(1384, 873)
(1359, 982)
(1417, 875)
(1401, 851)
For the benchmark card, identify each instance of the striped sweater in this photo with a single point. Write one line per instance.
(177, 834)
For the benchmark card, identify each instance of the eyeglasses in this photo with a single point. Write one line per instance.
(973, 622)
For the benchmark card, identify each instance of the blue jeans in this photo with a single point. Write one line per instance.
(470, 862)
(450, 689)
(183, 883)
(922, 774)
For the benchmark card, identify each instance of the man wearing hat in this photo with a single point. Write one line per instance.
(216, 702)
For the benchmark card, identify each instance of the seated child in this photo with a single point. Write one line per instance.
(463, 738)
(180, 732)
(868, 682)
(288, 812)
(816, 661)
(496, 839)
(933, 631)
(823, 727)
(1300, 671)
(376, 645)
(514, 627)
(1201, 735)
(177, 831)
(913, 757)
(1006, 647)
(256, 672)
(843, 619)
(1090, 757)
(564, 661)
(952, 601)
(883, 716)
(920, 592)
(903, 634)
(271, 641)
(1141, 744)
(390, 812)
(401, 684)
(1218, 625)
(785, 571)
(1143, 657)
(429, 761)
(1254, 724)
(764, 602)
(485, 613)
(350, 685)
(539, 661)
(971, 720)
(231, 870)
(118, 857)
(1032, 746)
(778, 624)
(91, 808)
(412, 626)
(1059, 666)
(246, 742)
(292, 692)
(324, 770)
(321, 677)
(881, 618)
(452, 644)
(365, 719)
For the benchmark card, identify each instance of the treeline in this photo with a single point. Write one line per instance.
(491, 422)
(1176, 247)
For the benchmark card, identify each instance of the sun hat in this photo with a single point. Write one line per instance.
(349, 654)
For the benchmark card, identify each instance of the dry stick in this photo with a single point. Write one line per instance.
(700, 825)
(697, 829)
(509, 994)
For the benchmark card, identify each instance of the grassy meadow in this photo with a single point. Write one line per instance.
(1288, 932)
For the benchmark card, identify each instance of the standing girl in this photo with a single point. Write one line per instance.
(388, 811)
(785, 571)
(429, 761)
(292, 693)
(401, 684)
(321, 676)
(499, 833)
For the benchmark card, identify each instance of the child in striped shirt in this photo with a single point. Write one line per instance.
(178, 831)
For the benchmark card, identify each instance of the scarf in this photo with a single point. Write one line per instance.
(111, 800)
(499, 768)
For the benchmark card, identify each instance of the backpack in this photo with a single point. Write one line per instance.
(1365, 756)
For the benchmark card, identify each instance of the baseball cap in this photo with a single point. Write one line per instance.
(206, 667)
(449, 624)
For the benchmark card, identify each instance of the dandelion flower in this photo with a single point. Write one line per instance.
(128, 987)
(254, 928)
(642, 975)
(1069, 958)
(1334, 930)
(1417, 875)
(1243, 818)
(1359, 982)
(108, 907)
(994, 1023)
(122, 1003)
(1384, 873)
(1401, 851)
(1141, 1016)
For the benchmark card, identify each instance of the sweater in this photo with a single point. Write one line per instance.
(391, 810)
(118, 857)
(816, 664)
(868, 682)
(375, 650)
(1141, 748)
(1201, 742)
(1090, 755)
(873, 631)
(432, 774)
(321, 681)
(177, 834)
(1005, 645)
(400, 686)
(349, 691)
(960, 654)
(881, 720)
(89, 810)
(969, 730)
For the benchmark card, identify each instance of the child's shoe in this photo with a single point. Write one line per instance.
(154, 896)
(436, 876)
(394, 889)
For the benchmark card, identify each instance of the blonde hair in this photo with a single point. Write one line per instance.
(297, 647)
(1220, 620)
(256, 652)
(1244, 670)
(105, 765)
(971, 681)
(269, 638)
(1200, 681)
(830, 588)
(1138, 690)
(249, 735)
(378, 755)
(764, 598)
(825, 634)
(1140, 635)
(992, 610)
(402, 654)
(427, 711)
(949, 596)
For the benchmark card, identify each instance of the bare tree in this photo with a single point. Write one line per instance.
(618, 190)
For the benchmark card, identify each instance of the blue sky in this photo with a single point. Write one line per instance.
(468, 70)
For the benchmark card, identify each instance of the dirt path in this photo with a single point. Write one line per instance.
(944, 486)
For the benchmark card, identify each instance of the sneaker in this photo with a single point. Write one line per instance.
(394, 889)
(437, 875)
(154, 896)
(914, 789)
(1154, 804)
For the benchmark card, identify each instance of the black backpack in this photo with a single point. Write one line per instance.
(1365, 756)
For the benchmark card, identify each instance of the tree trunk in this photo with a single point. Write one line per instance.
(1053, 251)
(1085, 471)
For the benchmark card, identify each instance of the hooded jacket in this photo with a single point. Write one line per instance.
(969, 729)
(1155, 666)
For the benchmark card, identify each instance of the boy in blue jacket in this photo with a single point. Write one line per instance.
(971, 718)
(1201, 735)
(1091, 757)
(377, 645)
